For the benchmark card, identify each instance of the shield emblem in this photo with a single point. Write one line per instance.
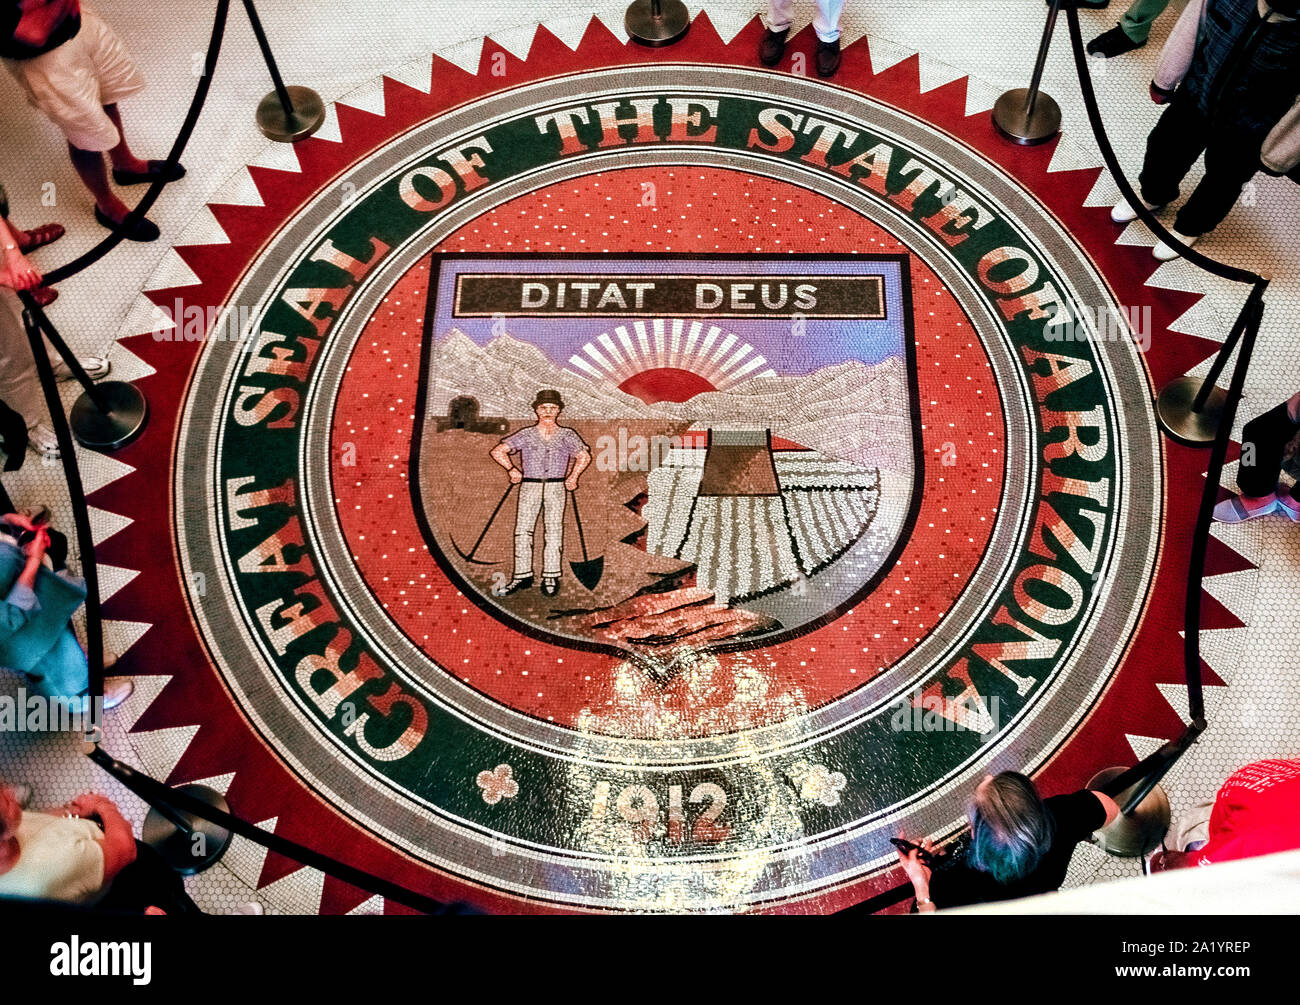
(643, 452)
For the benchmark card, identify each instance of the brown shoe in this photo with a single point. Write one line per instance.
(772, 48)
(828, 58)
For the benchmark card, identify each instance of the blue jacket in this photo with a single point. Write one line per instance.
(35, 634)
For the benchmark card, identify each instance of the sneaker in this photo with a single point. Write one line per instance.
(828, 58)
(1235, 510)
(772, 47)
(1112, 43)
(116, 691)
(250, 907)
(550, 585)
(1167, 253)
(96, 368)
(41, 439)
(1124, 213)
(515, 585)
(1289, 505)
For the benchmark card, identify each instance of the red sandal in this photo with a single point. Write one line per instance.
(44, 295)
(38, 237)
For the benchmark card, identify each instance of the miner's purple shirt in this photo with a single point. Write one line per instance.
(543, 458)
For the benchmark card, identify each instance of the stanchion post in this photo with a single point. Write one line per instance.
(187, 842)
(108, 415)
(1189, 408)
(1026, 115)
(1144, 807)
(657, 22)
(287, 114)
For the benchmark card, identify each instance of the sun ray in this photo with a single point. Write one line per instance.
(663, 356)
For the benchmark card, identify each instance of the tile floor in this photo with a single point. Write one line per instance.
(346, 44)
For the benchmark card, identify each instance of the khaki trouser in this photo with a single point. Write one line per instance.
(548, 499)
(20, 387)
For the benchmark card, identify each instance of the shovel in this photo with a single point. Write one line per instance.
(589, 570)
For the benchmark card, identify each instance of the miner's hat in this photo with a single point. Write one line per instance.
(548, 398)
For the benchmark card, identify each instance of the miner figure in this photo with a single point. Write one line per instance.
(551, 459)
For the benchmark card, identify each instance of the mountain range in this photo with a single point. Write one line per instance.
(851, 410)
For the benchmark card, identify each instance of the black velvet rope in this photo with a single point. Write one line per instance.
(156, 793)
(1251, 314)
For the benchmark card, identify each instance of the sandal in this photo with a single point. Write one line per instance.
(38, 237)
(44, 295)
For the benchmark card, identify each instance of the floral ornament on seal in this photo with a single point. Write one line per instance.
(498, 784)
(817, 783)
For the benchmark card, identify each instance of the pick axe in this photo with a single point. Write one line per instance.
(486, 527)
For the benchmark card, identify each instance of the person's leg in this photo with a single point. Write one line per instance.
(1263, 442)
(1172, 148)
(827, 21)
(93, 173)
(121, 156)
(530, 504)
(1292, 501)
(780, 14)
(1138, 19)
(1231, 160)
(553, 522)
(20, 387)
(771, 47)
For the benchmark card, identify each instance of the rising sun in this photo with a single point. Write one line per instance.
(669, 359)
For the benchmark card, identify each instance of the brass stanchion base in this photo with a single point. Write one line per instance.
(1011, 119)
(673, 22)
(127, 415)
(308, 115)
(1137, 833)
(1175, 415)
(195, 849)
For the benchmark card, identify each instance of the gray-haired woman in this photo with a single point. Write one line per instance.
(1020, 844)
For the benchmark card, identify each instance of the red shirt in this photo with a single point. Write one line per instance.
(1257, 812)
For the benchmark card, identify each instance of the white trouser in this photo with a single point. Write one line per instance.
(827, 22)
(20, 387)
(548, 499)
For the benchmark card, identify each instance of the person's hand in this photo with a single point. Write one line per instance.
(87, 804)
(17, 273)
(18, 520)
(516, 476)
(1159, 95)
(917, 871)
(38, 545)
(571, 483)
